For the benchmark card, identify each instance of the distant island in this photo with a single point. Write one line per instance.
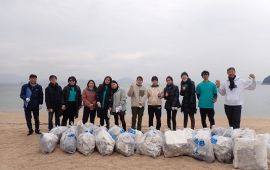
(266, 81)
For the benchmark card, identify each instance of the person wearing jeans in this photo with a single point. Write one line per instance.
(54, 101)
(207, 95)
(233, 89)
(32, 95)
(172, 104)
(138, 94)
(154, 94)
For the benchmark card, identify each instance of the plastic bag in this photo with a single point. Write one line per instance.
(58, 131)
(151, 143)
(223, 148)
(47, 142)
(176, 142)
(104, 142)
(87, 127)
(115, 131)
(68, 142)
(202, 147)
(220, 131)
(266, 136)
(125, 144)
(243, 133)
(137, 135)
(86, 143)
(250, 153)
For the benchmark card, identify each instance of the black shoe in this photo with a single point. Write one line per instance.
(30, 133)
(37, 132)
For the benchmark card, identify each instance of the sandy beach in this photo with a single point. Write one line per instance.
(19, 151)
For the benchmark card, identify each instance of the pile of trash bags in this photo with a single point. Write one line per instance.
(241, 147)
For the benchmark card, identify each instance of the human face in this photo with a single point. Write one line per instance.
(205, 77)
(169, 81)
(53, 80)
(91, 85)
(33, 80)
(114, 86)
(139, 82)
(107, 81)
(231, 73)
(184, 77)
(71, 82)
(155, 83)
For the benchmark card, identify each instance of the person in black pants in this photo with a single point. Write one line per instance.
(54, 101)
(104, 101)
(72, 100)
(32, 95)
(154, 94)
(89, 102)
(189, 99)
(171, 95)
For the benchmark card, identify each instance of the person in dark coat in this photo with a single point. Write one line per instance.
(54, 101)
(189, 99)
(32, 95)
(72, 101)
(104, 101)
(171, 95)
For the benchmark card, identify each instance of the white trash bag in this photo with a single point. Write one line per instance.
(137, 135)
(221, 131)
(104, 142)
(176, 142)
(87, 127)
(202, 146)
(47, 142)
(250, 153)
(151, 143)
(86, 143)
(125, 144)
(58, 131)
(68, 142)
(266, 136)
(223, 148)
(244, 133)
(115, 131)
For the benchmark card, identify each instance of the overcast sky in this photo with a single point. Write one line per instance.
(125, 38)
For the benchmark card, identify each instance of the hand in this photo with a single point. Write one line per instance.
(27, 99)
(63, 107)
(159, 95)
(50, 110)
(166, 94)
(214, 100)
(99, 104)
(118, 109)
(109, 113)
(91, 105)
(218, 83)
(252, 76)
(174, 108)
(40, 107)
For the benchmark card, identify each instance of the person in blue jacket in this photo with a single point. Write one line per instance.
(32, 95)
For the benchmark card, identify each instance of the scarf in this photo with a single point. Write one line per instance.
(232, 84)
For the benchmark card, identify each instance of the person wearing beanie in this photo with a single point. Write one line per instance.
(32, 96)
(154, 95)
(72, 101)
(89, 102)
(54, 101)
(119, 99)
(138, 94)
(233, 89)
(171, 95)
(189, 99)
(207, 95)
(104, 101)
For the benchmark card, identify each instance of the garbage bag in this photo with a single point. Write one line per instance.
(221, 131)
(223, 148)
(137, 135)
(104, 142)
(47, 142)
(250, 153)
(176, 142)
(68, 142)
(115, 131)
(86, 143)
(58, 131)
(125, 144)
(87, 127)
(243, 133)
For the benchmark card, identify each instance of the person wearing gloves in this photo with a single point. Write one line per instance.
(189, 99)
(138, 94)
(171, 95)
(154, 95)
(207, 95)
(104, 101)
(119, 99)
(54, 101)
(32, 95)
(72, 101)
(89, 102)
(233, 89)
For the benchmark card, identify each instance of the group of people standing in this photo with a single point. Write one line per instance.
(109, 99)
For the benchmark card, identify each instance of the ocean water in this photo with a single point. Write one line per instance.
(257, 102)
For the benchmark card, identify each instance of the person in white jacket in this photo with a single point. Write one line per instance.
(233, 89)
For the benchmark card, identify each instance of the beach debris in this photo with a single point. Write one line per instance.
(104, 141)
(86, 143)
(58, 131)
(223, 148)
(115, 131)
(68, 142)
(47, 142)
(125, 144)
